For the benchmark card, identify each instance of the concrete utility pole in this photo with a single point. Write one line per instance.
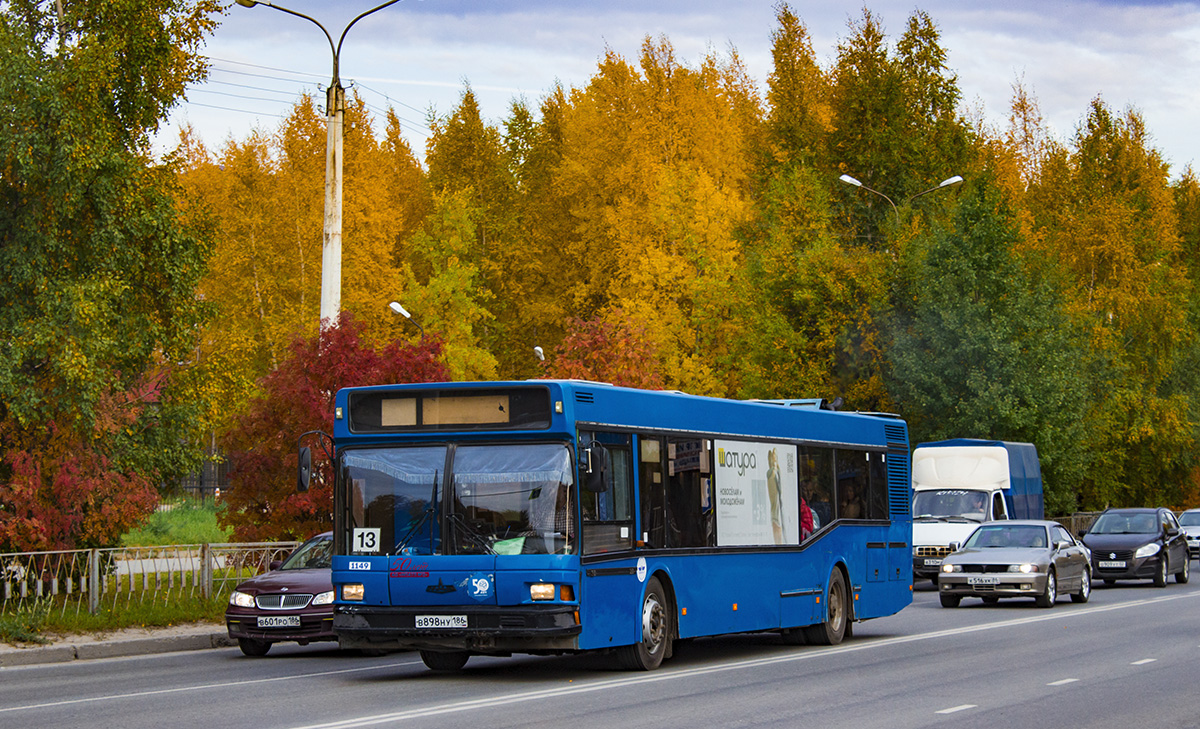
(335, 109)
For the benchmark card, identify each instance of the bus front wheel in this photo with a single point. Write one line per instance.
(445, 661)
(648, 653)
(837, 614)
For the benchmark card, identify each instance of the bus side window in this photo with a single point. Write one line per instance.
(608, 515)
(852, 484)
(688, 494)
(652, 492)
(877, 491)
(816, 484)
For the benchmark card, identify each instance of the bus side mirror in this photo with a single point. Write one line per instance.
(596, 469)
(304, 469)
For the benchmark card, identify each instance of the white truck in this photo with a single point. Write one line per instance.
(959, 484)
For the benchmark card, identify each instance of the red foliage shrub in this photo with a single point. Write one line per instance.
(64, 494)
(262, 503)
(605, 351)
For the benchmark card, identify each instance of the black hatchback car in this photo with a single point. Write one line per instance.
(1137, 544)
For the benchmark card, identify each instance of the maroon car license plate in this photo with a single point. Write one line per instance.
(279, 621)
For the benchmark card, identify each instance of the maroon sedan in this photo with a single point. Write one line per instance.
(291, 603)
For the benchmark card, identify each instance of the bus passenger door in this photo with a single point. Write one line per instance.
(609, 583)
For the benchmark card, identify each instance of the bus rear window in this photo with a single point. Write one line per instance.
(408, 410)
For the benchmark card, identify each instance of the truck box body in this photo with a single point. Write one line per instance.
(960, 483)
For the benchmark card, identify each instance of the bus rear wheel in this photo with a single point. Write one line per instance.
(447, 661)
(648, 653)
(837, 614)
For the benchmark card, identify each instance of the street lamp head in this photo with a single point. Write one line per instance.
(537, 351)
(850, 180)
(395, 306)
(951, 181)
(247, 3)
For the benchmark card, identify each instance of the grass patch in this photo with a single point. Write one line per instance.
(151, 614)
(184, 521)
(25, 625)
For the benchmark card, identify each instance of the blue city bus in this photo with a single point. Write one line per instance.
(550, 517)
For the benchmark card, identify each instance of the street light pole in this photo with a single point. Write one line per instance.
(335, 110)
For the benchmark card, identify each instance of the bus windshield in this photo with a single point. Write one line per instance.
(504, 499)
(513, 499)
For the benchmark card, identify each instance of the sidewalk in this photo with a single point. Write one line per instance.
(129, 642)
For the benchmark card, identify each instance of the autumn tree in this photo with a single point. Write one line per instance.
(1105, 212)
(615, 350)
(989, 351)
(100, 264)
(297, 397)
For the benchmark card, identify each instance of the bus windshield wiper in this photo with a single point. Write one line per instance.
(430, 511)
(471, 533)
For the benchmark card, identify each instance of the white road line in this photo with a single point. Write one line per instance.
(659, 676)
(1143, 662)
(689, 673)
(204, 687)
(955, 709)
(1062, 682)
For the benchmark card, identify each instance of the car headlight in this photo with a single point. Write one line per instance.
(951, 567)
(325, 598)
(1146, 550)
(241, 599)
(1024, 568)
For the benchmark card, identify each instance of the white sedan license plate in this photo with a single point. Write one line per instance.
(983, 580)
(932, 562)
(1109, 564)
(441, 621)
(279, 621)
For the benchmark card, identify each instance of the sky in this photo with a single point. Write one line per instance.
(417, 56)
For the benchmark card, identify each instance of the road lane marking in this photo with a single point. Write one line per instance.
(1062, 682)
(656, 677)
(1143, 662)
(202, 687)
(688, 673)
(955, 709)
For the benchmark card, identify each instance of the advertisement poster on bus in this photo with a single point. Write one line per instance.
(757, 494)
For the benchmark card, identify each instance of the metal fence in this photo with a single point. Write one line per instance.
(1078, 521)
(92, 579)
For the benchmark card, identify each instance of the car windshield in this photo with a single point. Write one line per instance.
(1189, 518)
(1125, 524)
(1005, 535)
(950, 504)
(313, 554)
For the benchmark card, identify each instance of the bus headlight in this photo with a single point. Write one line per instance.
(353, 591)
(541, 591)
(241, 599)
(325, 598)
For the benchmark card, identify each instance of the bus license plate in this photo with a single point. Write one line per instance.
(984, 580)
(279, 621)
(441, 621)
(933, 562)
(1112, 564)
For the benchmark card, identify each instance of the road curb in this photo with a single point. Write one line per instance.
(13, 657)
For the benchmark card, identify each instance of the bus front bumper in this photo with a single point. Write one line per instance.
(488, 629)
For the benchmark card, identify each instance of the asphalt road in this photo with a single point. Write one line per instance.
(1130, 658)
